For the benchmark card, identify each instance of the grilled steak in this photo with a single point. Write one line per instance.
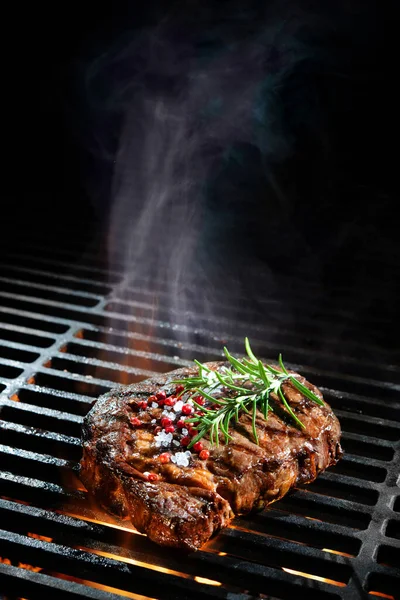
(136, 462)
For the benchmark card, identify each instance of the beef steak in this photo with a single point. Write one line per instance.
(137, 466)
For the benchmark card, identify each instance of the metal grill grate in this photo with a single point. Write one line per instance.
(338, 538)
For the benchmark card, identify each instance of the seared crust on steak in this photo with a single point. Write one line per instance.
(186, 505)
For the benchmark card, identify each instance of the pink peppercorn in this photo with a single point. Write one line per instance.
(170, 429)
(171, 401)
(185, 441)
(165, 422)
(204, 454)
(187, 409)
(198, 447)
(136, 422)
(152, 477)
(165, 457)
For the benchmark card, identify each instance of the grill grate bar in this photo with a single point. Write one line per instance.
(43, 302)
(69, 267)
(72, 282)
(173, 362)
(41, 396)
(25, 331)
(39, 585)
(36, 458)
(62, 291)
(276, 522)
(54, 438)
(36, 490)
(392, 431)
(308, 500)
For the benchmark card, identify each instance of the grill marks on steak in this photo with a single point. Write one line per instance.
(187, 505)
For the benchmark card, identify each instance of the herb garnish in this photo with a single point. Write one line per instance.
(244, 385)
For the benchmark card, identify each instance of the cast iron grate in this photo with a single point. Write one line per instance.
(338, 538)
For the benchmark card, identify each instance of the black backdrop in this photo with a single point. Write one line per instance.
(52, 175)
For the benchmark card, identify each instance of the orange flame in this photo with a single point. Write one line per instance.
(7, 561)
(99, 586)
(207, 581)
(337, 552)
(133, 561)
(315, 577)
(43, 538)
(110, 523)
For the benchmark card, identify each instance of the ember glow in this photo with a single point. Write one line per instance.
(104, 588)
(207, 581)
(26, 566)
(338, 553)
(132, 561)
(110, 523)
(315, 577)
(20, 565)
(43, 538)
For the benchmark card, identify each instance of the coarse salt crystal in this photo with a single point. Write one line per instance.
(175, 443)
(153, 421)
(163, 439)
(181, 459)
(154, 405)
(178, 406)
(168, 413)
(185, 431)
(146, 473)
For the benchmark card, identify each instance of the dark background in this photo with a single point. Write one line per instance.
(340, 180)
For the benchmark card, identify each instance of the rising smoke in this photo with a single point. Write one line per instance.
(205, 210)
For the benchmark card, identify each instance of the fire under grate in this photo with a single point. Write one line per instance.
(337, 538)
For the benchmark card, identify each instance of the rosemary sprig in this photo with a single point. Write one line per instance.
(243, 386)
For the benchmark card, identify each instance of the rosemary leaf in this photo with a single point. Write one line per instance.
(263, 374)
(249, 351)
(305, 391)
(234, 362)
(282, 366)
(254, 420)
(285, 402)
